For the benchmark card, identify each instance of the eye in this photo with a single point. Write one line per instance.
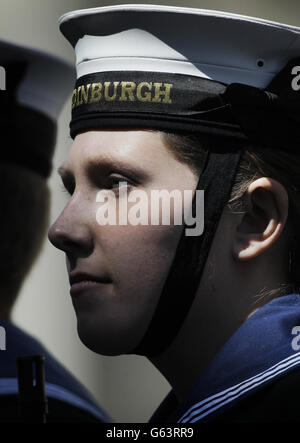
(116, 182)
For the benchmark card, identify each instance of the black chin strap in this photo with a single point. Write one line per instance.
(186, 270)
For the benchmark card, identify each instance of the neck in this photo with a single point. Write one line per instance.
(218, 310)
(197, 343)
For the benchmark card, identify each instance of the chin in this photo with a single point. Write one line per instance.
(105, 342)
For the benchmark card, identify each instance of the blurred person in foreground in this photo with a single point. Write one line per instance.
(37, 86)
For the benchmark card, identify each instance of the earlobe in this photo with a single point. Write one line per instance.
(263, 221)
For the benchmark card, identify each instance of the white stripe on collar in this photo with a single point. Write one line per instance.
(216, 401)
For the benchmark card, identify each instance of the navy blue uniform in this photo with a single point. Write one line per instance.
(68, 400)
(254, 378)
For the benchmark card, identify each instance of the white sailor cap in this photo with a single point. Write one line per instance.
(168, 63)
(34, 87)
(220, 46)
(45, 85)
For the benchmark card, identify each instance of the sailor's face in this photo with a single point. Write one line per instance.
(117, 271)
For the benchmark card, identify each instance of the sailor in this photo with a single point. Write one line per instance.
(183, 99)
(34, 87)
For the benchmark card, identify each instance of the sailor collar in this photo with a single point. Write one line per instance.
(262, 350)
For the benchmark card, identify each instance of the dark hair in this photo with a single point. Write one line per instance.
(25, 201)
(256, 162)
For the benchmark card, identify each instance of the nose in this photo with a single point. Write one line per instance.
(71, 233)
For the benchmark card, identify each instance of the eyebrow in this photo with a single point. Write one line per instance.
(105, 164)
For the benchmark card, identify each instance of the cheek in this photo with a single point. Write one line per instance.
(139, 256)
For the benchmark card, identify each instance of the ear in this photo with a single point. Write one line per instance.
(264, 219)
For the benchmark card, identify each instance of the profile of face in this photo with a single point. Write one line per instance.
(129, 262)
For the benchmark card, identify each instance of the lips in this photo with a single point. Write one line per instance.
(81, 281)
(78, 277)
